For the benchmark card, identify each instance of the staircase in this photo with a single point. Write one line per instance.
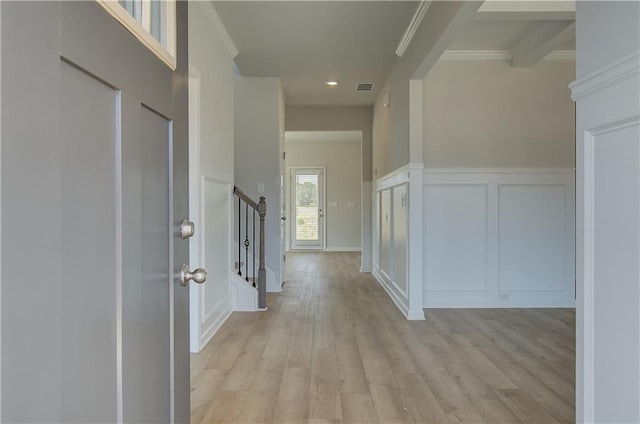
(251, 216)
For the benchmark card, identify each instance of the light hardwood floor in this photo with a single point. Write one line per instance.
(332, 348)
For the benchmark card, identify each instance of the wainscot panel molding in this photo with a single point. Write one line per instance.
(396, 249)
(499, 238)
(211, 178)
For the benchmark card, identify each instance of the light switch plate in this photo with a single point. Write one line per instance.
(333, 204)
(260, 188)
(351, 204)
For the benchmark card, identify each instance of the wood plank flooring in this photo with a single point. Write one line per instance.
(332, 348)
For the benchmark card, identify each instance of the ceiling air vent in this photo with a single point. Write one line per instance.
(364, 86)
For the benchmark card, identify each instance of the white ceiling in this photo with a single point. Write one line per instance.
(307, 42)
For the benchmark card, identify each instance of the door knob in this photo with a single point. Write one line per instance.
(199, 275)
(187, 229)
(284, 218)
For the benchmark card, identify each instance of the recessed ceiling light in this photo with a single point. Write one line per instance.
(331, 83)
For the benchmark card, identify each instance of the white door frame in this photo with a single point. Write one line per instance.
(322, 232)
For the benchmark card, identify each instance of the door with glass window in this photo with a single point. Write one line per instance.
(307, 208)
(94, 182)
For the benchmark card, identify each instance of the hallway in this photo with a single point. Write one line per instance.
(333, 348)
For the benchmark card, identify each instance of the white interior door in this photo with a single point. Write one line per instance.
(307, 208)
(94, 171)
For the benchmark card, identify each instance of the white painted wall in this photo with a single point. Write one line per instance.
(257, 157)
(341, 159)
(499, 238)
(210, 172)
(485, 113)
(608, 210)
(344, 119)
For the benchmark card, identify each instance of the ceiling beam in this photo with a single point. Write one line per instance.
(443, 23)
(527, 10)
(547, 37)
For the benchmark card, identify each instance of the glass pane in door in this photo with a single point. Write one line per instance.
(306, 207)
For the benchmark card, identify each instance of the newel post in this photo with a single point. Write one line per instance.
(262, 270)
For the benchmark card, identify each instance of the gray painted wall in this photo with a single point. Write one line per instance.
(258, 132)
(391, 125)
(342, 185)
(487, 114)
(605, 31)
(335, 119)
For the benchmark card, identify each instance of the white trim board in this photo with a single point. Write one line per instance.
(342, 249)
(608, 76)
(166, 54)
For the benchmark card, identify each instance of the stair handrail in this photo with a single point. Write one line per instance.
(241, 194)
(261, 208)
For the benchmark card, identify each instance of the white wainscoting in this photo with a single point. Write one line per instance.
(499, 238)
(211, 206)
(391, 239)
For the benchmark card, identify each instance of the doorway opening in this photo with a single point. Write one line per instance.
(307, 208)
(324, 191)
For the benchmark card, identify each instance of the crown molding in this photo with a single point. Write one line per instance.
(219, 27)
(476, 55)
(618, 71)
(500, 55)
(561, 55)
(413, 27)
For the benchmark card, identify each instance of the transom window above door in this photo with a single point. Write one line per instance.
(152, 22)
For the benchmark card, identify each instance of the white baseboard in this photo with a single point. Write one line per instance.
(216, 317)
(396, 296)
(343, 249)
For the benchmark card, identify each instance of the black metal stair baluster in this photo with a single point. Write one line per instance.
(239, 236)
(246, 241)
(254, 248)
